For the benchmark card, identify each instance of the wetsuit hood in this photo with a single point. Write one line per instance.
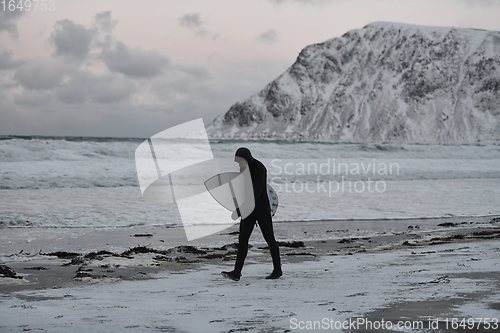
(245, 154)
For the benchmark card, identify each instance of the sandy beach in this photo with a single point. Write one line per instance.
(422, 276)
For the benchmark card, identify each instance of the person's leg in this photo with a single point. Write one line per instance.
(266, 227)
(246, 228)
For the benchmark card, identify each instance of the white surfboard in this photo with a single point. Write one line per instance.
(223, 178)
(273, 199)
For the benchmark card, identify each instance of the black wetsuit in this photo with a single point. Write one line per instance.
(261, 213)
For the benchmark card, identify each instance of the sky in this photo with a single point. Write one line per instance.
(122, 68)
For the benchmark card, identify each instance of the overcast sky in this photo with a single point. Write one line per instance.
(133, 68)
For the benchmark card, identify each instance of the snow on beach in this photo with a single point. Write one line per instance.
(416, 274)
(327, 292)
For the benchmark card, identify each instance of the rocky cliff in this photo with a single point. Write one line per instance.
(384, 82)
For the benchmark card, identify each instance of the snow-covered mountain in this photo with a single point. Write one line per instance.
(383, 82)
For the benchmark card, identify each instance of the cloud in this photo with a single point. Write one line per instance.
(136, 62)
(8, 21)
(114, 88)
(198, 72)
(190, 20)
(71, 39)
(33, 98)
(104, 21)
(194, 21)
(111, 104)
(99, 86)
(269, 36)
(204, 33)
(104, 25)
(42, 73)
(6, 61)
(85, 86)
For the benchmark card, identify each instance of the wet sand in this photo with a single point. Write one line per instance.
(54, 258)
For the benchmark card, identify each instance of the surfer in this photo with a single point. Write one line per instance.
(261, 213)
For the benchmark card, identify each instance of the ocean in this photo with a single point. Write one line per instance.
(85, 182)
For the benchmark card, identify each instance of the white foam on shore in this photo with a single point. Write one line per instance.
(123, 206)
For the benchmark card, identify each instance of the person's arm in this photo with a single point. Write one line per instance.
(244, 210)
(259, 182)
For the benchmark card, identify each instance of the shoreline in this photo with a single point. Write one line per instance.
(423, 218)
(213, 139)
(100, 256)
